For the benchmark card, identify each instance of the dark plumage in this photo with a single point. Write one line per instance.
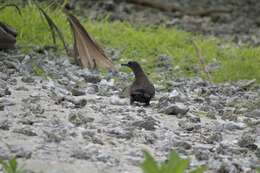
(142, 90)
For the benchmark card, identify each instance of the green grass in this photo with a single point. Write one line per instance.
(11, 166)
(143, 44)
(174, 164)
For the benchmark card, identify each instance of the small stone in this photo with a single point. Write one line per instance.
(149, 123)
(6, 102)
(247, 141)
(227, 167)
(27, 79)
(12, 81)
(55, 135)
(189, 126)
(79, 119)
(77, 92)
(257, 153)
(175, 109)
(21, 88)
(183, 144)
(85, 153)
(2, 107)
(20, 152)
(254, 114)
(4, 92)
(231, 126)
(11, 64)
(78, 103)
(120, 133)
(92, 89)
(105, 87)
(215, 137)
(115, 100)
(5, 154)
(36, 109)
(3, 83)
(7, 91)
(109, 5)
(246, 84)
(90, 136)
(79, 154)
(4, 125)
(194, 119)
(201, 155)
(27, 131)
(90, 77)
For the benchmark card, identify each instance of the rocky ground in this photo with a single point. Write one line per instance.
(233, 20)
(73, 120)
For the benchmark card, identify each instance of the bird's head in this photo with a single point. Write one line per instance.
(136, 68)
(132, 64)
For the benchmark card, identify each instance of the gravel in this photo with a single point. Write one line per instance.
(94, 128)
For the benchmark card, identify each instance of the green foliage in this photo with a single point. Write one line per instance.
(11, 166)
(142, 43)
(174, 164)
(32, 27)
(258, 169)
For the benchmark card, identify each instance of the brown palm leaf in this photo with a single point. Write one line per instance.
(87, 52)
(7, 33)
(7, 36)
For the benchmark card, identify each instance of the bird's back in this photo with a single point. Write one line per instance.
(142, 87)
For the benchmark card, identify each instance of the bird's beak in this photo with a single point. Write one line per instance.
(124, 64)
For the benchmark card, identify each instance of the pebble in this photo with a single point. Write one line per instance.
(28, 79)
(175, 109)
(79, 118)
(148, 123)
(103, 126)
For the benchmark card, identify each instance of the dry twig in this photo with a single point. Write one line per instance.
(202, 61)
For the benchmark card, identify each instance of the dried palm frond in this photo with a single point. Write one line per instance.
(7, 36)
(87, 52)
(7, 33)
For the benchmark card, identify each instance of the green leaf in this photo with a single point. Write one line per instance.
(149, 165)
(175, 164)
(4, 164)
(258, 169)
(13, 165)
(200, 169)
(181, 167)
